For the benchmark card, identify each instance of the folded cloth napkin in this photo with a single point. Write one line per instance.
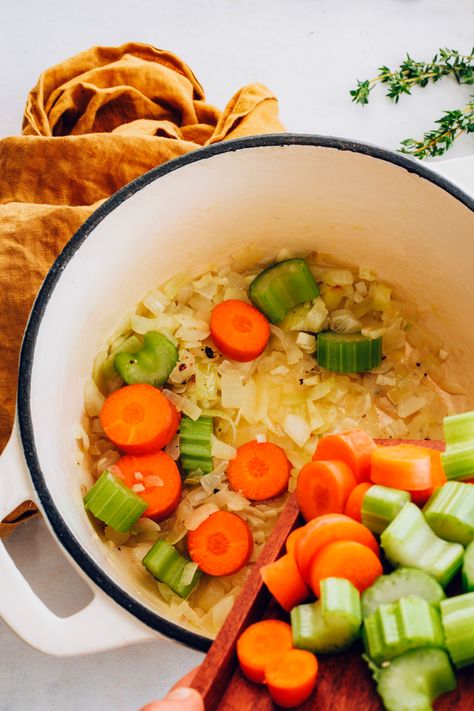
(92, 124)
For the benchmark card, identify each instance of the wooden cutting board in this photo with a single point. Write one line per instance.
(344, 681)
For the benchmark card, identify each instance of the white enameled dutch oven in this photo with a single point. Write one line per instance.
(367, 205)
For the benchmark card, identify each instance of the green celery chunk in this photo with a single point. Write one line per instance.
(457, 616)
(281, 287)
(450, 512)
(458, 459)
(166, 565)
(195, 444)
(112, 502)
(412, 681)
(332, 623)
(409, 541)
(130, 345)
(468, 569)
(401, 583)
(380, 505)
(348, 353)
(407, 624)
(152, 364)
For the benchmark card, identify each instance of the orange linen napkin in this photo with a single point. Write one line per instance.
(92, 124)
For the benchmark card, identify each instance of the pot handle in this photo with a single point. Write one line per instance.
(100, 626)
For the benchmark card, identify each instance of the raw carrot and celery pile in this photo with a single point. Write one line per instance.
(208, 407)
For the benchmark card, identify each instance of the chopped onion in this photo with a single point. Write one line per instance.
(188, 573)
(260, 438)
(153, 480)
(138, 488)
(222, 450)
(231, 388)
(172, 448)
(183, 404)
(93, 398)
(156, 302)
(142, 324)
(410, 406)
(297, 428)
(344, 321)
(306, 341)
(199, 515)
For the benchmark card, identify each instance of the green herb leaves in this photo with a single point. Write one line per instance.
(410, 73)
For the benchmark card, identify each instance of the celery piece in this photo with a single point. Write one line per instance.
(281, 287)
(401, 583)
(450, 512)
(332, 623)
(112, 502)
(457, 616)
(166, 565)
(131, 345)
(348, 353)
(407, 624)
(195, 444)
(414, 679)
(151, 365)
(458, 459)
(468, 569)
(409, 541)
(380, 505)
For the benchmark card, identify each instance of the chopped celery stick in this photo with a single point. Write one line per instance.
(468, 569)
(112, 502)
(409, 541)
(195, 444)
(131, 345)
(332, 623)
(450, 512)
(457, 615)
(152, 364)
(169, 567)
(458, 459)
(407, 624)
(380, 505)
(401, 583)
(348, 353)
(414, 679)
(281, 287)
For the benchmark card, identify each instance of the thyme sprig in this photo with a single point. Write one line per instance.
(446, 62)
(453, 123)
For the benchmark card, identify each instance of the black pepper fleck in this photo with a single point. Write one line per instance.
(209, 352)
(181, 367)
(301, 381)
(418, 364)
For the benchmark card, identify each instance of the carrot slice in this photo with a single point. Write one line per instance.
(354, 502)
(283, 579)
(159, 476)
(324, 530)
(293, 538)
(291, 677)
(323, 487)
(345, 559)
(260, 470)
(421, 496)
(138, 419)
(354, 447)
(239, 330)
(402, 466)
(259, 644)
(222, 544)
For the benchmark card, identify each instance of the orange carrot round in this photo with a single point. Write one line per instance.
(259, 644)
(421, 496)
(345, 559)
(402, 466)
(283, 579)
(324, 530)
(222, 544)
(293, 538)
(138, 419)
(160, 478)
(354, 447)
(354, 502)
(291, 677)
(323, 487)
(239, 330)
(260, 470)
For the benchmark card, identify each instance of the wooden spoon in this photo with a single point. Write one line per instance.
(344, 681)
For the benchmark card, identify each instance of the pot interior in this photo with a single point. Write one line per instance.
(362, 209)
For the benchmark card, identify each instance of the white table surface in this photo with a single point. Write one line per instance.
(310, 52)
